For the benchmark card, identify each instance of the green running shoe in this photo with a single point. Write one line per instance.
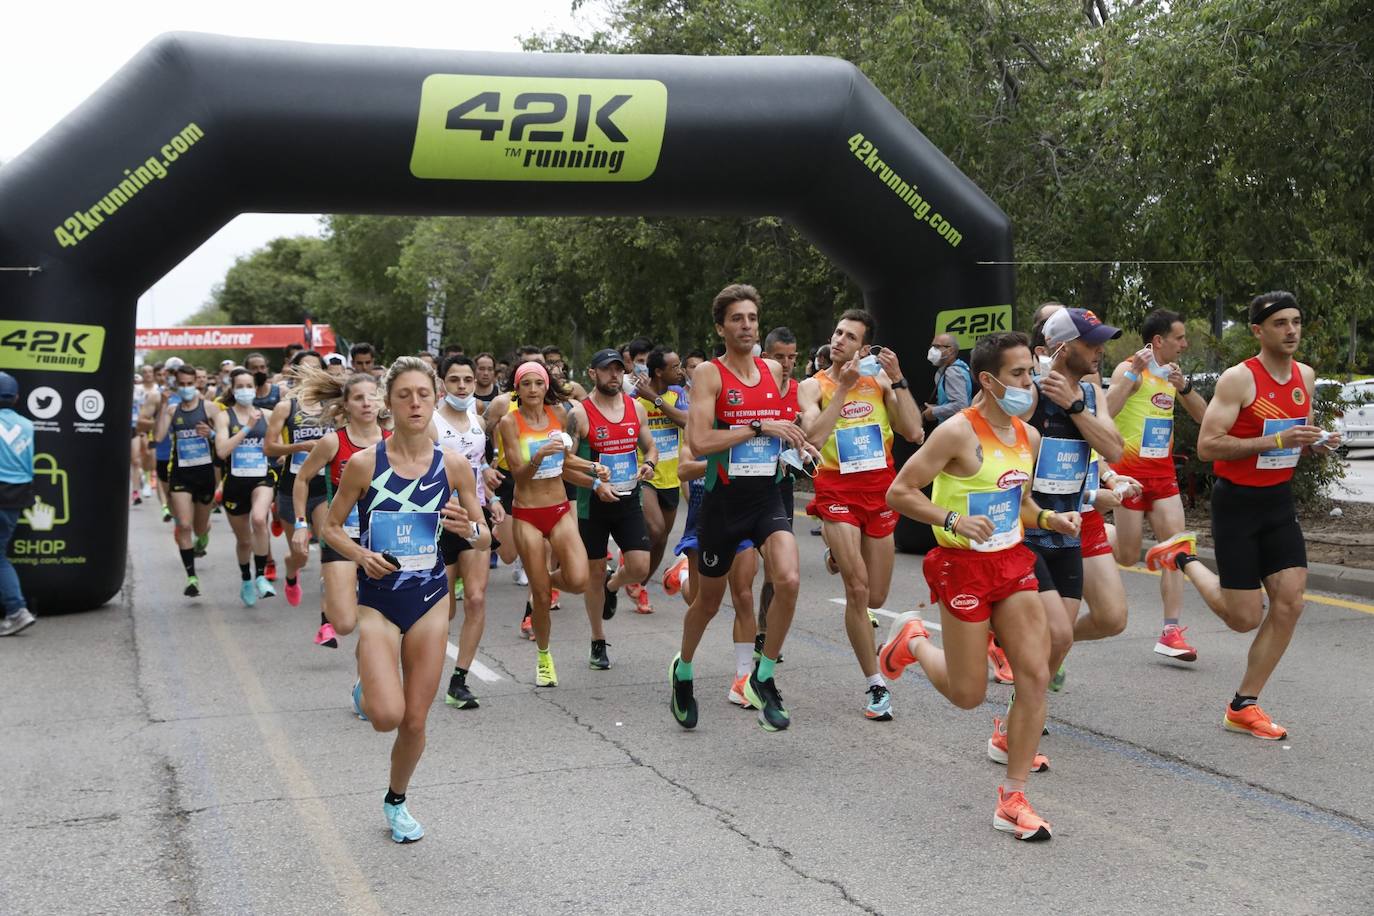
(598, 659)
(683, 703)
(1057, 680)
(202, 542)
(766, 698)
(192, 589)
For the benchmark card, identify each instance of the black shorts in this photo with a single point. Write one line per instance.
(238, 492)
(330, 555)
(668, 499)
(452, 545)
(162, 469)
(505, 490)
(788, 504)
(735, 513)
(198, 481)
(316, 495)
(625, 524)
(1256, 533)
(1059, 569)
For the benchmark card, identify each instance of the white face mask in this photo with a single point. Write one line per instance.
(1043, 363)
(935, 356)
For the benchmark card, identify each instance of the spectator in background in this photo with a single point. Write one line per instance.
(291, 350)
(453, 349)
(953, 380)
(16, 496)
(429, 360)
(364, 358)
(638, 351)
(485, 368)
(336, 365)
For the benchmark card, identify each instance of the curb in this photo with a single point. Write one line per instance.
(1321, 577)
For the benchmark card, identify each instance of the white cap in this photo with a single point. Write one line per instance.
(1059, 327)
(174, 363)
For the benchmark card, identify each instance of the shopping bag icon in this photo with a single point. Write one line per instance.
(50, 491)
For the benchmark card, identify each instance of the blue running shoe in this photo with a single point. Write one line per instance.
(358, 701)
(404, 828)
(248, 592)
(265, 589)
(879, 707)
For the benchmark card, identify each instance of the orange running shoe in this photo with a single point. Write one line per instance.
(1166, 553)
(642, 605)
(526, 625)
(1016, 816)
(553, 600)
(675, 577)
(997, 660)
(1172, 644)
(736, 694)
(895, 654)
(1254, 721)
(997, 748)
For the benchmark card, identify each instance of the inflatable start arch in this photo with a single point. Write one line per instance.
(199, 128)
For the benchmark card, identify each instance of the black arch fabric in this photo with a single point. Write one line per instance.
(198, 128)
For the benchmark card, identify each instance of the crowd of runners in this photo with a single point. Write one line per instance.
(414, 480)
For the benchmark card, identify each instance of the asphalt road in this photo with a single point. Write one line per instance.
(1358, 484)
(173, 755)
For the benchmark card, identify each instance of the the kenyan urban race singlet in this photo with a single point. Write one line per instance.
(346, 450)
(754, 460)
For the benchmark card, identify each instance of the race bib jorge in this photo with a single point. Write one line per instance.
(1061, 466)
(755, 457)
(411, 537)
(860, 448)
(1003, 507)
(624, 470)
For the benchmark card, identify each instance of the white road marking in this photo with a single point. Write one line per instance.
(479, 669)
(930, 625)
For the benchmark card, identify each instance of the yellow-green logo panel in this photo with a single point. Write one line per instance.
(52, 346)
(967, 325)
(516, 128)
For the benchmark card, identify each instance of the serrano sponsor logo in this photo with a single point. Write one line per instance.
(1162, 401)
(1012, 478)
(963, 602)
(853, 410)
(837, 509)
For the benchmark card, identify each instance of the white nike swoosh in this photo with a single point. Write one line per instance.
(10, 433)
(421, 489)
(432, 597)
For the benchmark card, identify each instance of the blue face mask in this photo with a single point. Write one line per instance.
(1156, 369)
(869, 366)
(457, 403)
(244, 396)
(1015, 401)
(795, 459)
(187, 392)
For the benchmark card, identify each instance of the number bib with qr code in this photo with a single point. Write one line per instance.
(411, 537)
(860, 448)
(755, 457)
(1155, 436)
(248, 461)
(551, 466)
(1062, 465)
(666, 441)
(1003, 507)
(193, 451)
(1280, 457)
(624, 470)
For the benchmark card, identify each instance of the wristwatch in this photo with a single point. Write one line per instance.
(476, 532)
(1077, 406)
(900, 384)
(756, 426)
(658, 402)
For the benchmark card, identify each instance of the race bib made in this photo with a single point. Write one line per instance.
(860, 448)
(1003, 507)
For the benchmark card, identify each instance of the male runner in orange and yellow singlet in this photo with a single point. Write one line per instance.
(981, 462)
(850, 412)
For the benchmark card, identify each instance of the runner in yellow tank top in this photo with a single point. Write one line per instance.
(665, 405)
(849, 412)
(1145, 390)
(981, 463)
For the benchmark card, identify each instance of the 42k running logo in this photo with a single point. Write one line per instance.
(509, 128)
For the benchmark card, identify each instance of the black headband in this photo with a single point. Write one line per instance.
(1258, 313)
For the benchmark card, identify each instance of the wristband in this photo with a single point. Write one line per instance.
(1278, 440)
(301, 523)
(1040, 519)
(476, 532)
(1132, 376)
(652, 464)
(1187, 389)
(951, 520)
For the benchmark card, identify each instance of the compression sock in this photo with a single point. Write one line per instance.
(394, 798)
(461, 672)
(1239, 702)
(188, 560)
(290, 580)
(766, 667)
(259, 564)
(244, 573)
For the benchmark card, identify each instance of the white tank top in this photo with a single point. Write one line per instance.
(471, 444)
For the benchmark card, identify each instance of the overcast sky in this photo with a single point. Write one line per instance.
(56, 54)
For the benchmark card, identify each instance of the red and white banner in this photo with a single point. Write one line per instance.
(232, 337)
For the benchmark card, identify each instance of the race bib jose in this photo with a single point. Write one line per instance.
(411, 537)
(1061, 466)
(1003, 507)
(860, 448)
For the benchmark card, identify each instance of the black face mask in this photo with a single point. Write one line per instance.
(259, 378)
